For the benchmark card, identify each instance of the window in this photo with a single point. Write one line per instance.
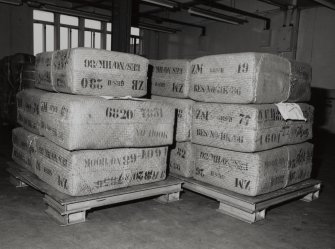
(69, 26)
(43, 31)
(135, 41)
(57, 31)
(92, 34)
(109, 36)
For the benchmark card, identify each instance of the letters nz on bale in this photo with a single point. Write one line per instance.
(87, 71)
(87, 122)
(248, 128)
(170, 78)
(86, 172)
(249, 78)
(253, 173)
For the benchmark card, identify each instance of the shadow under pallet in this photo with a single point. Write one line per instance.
(251, 209)
(69, 210)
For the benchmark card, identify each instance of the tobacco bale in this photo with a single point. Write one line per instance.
(86, 172)
(24, 148)
(247, 128)
(300, 82)
(88, 71)
(170, 78)
(182, 159)
(253, 173)
(248, 78)
(28, 114)
(184, 116)
(43, 75)
(86, 122)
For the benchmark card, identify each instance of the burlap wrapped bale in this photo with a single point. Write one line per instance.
(248, 128)
(28, 114)
(182, 159)
(300, 81)
(86, 172)
(88, 71)
(43, 74)
(253, 173)
(184, 116)
(247, 78)
(170, 78)
(24, 148)
(86, 122)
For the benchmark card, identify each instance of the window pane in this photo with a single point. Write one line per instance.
(43, 16)
(88, 39)
(74, 39)
(109, 27)
(38, 38)
(64, 36)
(97, 40)
(92, 24)
(109, 42)
(70, 20)
(135, 31)
(49, 36)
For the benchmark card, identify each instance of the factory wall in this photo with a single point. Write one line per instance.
(16, 30)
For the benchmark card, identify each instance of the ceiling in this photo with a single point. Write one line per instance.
(237, 10)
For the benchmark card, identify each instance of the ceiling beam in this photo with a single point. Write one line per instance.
(282, 6)
(328, 4)
(162, 19)
(89, 3)
(237, 11)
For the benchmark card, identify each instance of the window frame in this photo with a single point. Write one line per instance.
(81, 33)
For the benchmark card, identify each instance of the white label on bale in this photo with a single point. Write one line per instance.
(247, 128)
(170, 78)
(291, 111)
(183, 116)
(77, 122)
(89, 71)
(253, 173)
(92, 171)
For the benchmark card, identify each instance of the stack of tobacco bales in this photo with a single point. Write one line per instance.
(170, 84)
(241, 140)
(82, 144)
(16, 73)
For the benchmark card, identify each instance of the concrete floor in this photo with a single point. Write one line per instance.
(189, 223)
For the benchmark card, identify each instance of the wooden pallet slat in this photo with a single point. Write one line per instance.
(249, 208)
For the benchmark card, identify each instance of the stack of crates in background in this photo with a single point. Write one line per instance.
(242, 140)
(170, 84)
(82, 133)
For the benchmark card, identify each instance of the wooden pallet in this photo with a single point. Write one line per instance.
(252, 209)
(69, 210)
